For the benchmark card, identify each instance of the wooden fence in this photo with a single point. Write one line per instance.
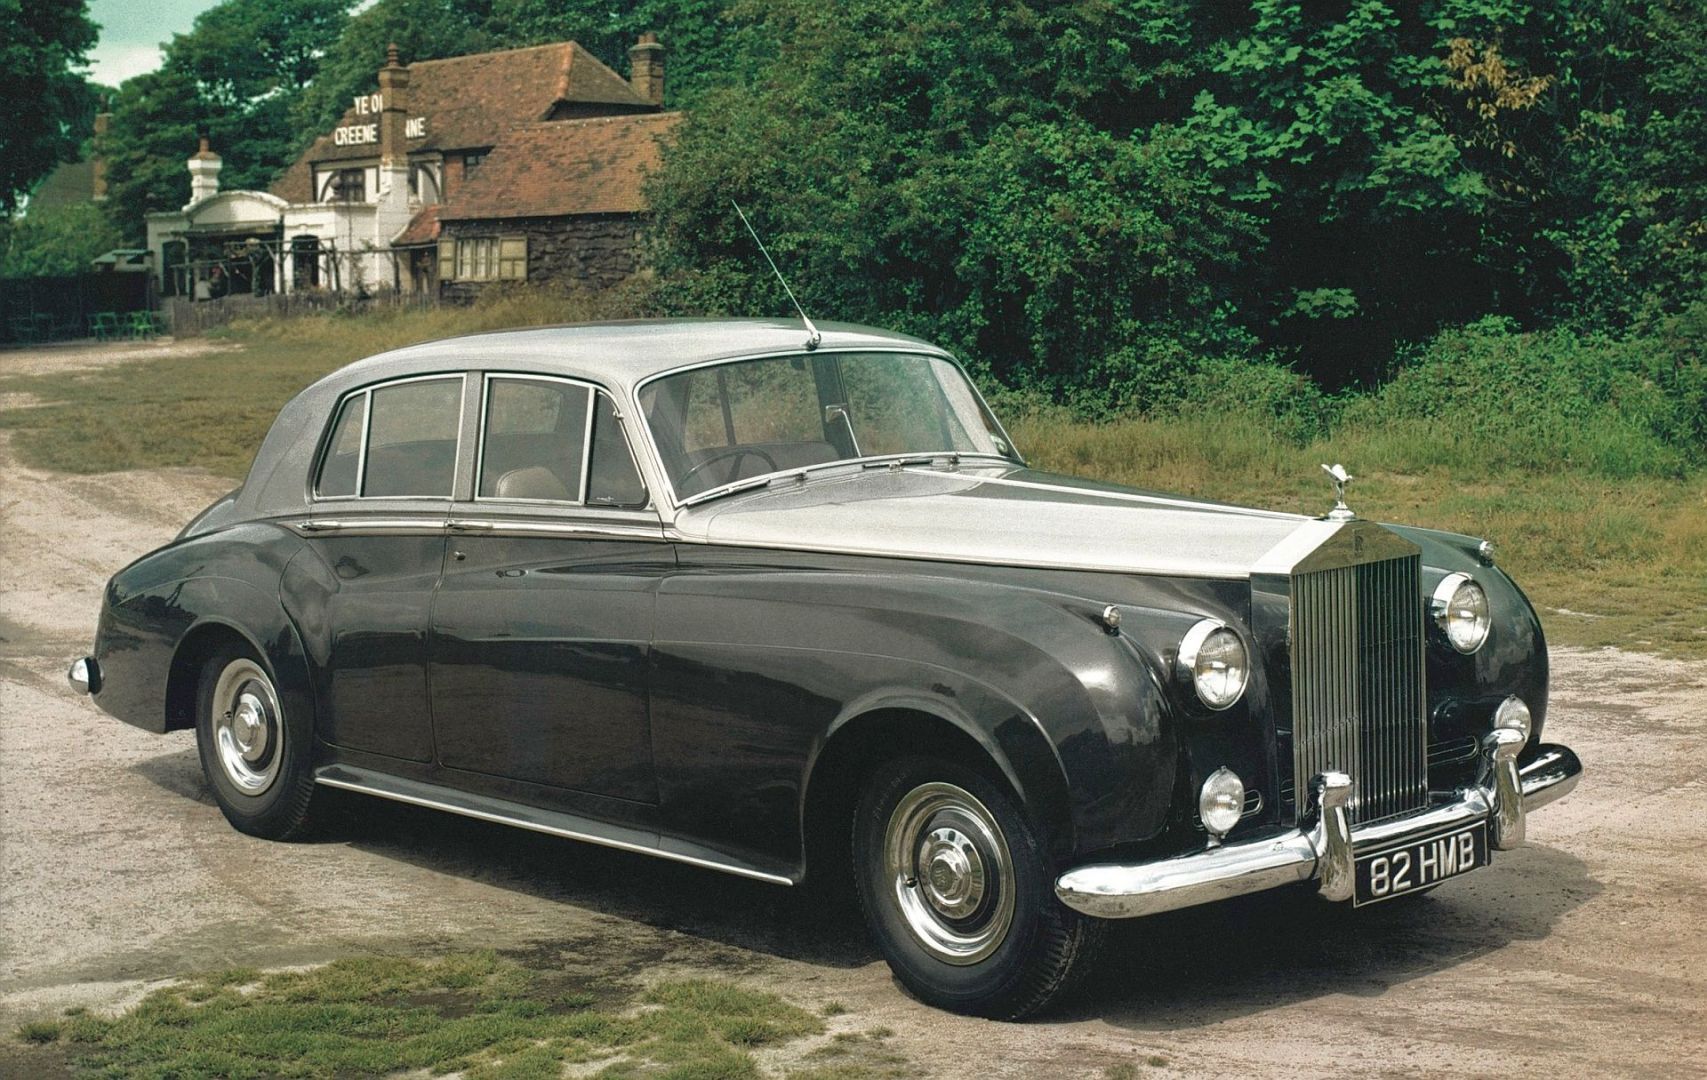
(189, 318)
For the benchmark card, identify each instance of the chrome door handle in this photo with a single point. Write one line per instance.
(471, 526)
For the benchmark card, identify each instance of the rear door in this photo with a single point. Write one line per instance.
(382, 497)
(543, 625)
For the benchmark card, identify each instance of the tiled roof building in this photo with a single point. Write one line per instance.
(526, 164)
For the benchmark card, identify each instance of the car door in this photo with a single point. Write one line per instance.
(382, 497)
(543, 624)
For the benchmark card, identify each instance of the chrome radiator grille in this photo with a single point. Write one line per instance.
(1358, 704)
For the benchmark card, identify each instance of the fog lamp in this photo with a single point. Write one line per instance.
(1460, 610)
(1513, 713)
(1221, 803)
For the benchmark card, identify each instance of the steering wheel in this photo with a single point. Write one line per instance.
(735, 453)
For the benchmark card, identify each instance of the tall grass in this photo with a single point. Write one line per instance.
(1577, 457)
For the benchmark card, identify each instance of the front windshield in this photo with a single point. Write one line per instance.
(716, 425)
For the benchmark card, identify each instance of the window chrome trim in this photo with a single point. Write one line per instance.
(594, 390)
(366, 393)
(671, 502)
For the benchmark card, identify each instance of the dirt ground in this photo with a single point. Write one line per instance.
(1579, 954)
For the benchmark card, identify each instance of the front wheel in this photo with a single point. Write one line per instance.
(256, 758)
(958, 892)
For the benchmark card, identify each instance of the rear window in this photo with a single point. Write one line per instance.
(397, 441)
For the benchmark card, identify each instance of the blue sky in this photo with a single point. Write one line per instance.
(132, 31)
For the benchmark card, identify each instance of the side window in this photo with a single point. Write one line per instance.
(533, 439)
(613, 479)
(411, 448)
(337, 479)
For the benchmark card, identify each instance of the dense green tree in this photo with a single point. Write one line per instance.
(56, 241)
(421, 30)
(980, 172)
(706, 49)
(44, 44)
(235, 77)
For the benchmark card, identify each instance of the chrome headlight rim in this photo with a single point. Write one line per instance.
(1441, 604)
(1221, 802)
(1190, 651)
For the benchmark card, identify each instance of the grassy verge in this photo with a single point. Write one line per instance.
(1608, 560)
(478, 1014)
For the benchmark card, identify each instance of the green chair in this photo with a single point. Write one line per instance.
(141, 325)
(104, 325)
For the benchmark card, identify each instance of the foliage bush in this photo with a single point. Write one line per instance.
(1545, 400)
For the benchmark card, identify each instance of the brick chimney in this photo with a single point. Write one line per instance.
(646, 68)
(204, 173)
(394, 114)
(98, 156)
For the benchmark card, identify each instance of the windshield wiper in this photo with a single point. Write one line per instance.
(732, 489)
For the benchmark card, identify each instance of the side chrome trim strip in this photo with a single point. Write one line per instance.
(533, 819)
(366, 526)
(576, 530)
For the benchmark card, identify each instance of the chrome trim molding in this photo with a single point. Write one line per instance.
(367, 526)
(1326, 852)
(533, 819)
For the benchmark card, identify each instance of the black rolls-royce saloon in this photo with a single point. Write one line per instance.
(784, 604)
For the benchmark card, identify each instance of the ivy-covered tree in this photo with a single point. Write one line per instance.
(44, 45)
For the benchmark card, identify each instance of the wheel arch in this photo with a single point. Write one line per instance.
(205, 638)
(1015, 754)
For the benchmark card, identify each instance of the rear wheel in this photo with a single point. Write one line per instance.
(256, 758)
(958, 892)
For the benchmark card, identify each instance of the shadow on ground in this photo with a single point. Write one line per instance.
(1184, 969)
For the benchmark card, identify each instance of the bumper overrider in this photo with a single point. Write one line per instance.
(1326, 851)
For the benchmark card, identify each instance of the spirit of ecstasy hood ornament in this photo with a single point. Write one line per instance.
(1340, 512)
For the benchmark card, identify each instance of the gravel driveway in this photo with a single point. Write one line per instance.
(1582, 953)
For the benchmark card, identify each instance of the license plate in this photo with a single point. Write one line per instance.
(1417, 864)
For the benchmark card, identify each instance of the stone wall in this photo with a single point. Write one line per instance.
(590, 250)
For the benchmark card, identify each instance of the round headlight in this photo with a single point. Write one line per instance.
(1460, 609)
(1221, 802)
(1513, 713)
(1214, 659)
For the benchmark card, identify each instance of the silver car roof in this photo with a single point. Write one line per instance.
(621, 355)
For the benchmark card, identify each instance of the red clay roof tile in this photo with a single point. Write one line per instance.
(562, 167)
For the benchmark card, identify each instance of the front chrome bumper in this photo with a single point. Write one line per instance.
(1326, 851)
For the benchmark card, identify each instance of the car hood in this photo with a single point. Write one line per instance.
(1002, 516)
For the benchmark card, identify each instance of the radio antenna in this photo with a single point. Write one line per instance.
(813, 337)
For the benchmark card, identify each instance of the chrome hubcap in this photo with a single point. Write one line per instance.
(247, 727)
(952, 873)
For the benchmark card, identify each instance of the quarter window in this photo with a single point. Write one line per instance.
(339, 470)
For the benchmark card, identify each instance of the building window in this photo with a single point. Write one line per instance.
(477, 258)
(349, 185)
(423, 182)
(471, 162)
(484, 258)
